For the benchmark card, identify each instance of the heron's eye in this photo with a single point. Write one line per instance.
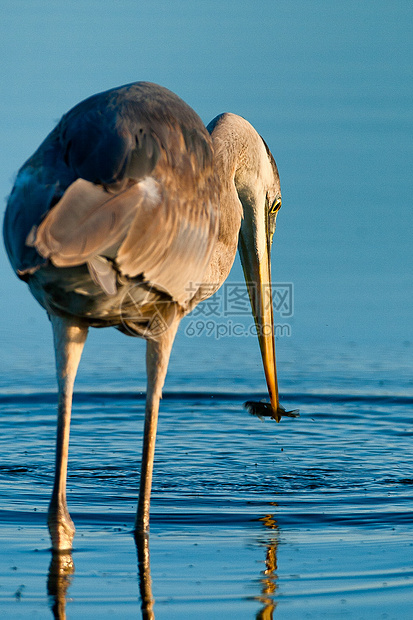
(276, 205)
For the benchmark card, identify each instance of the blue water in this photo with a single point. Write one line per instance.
(308, 518)
(327, 497)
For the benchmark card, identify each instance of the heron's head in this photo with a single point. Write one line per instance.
(245, 159)
(258, 186)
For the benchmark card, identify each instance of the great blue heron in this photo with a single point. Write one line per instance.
(128, 215)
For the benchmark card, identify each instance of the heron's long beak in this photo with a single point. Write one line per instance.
(255, 252)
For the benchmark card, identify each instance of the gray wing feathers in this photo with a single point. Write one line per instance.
(18, 220)
(174, 247)
(103, 274)
(86, 222)
(144, 233)
(86, 226)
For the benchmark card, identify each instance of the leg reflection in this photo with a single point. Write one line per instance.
(269, 575)
(61, 570)
(144, 571)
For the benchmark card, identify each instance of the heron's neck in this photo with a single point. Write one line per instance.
(229, 155)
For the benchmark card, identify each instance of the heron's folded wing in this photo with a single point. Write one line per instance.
(86, 222)
(165, 239)
(171, 246)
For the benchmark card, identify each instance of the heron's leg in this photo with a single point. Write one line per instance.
(157, 359)
(69, 339)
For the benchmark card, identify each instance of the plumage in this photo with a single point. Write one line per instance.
(128, 215)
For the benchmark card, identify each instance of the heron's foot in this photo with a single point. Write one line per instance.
(263, 409)
(61, 529)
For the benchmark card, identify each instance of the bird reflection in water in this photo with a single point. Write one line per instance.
(62, 568)
(269, 576)
(144, 573)
(268, 579)
(61, 571)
